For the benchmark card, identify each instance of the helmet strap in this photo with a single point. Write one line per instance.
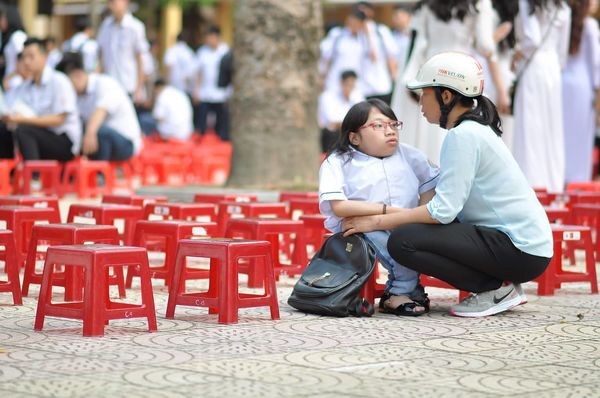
(445, 109)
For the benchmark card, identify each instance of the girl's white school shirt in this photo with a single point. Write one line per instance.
(397, 180)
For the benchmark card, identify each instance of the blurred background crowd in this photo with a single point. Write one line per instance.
(94, 77)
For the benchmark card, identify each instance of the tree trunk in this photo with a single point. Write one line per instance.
(274, 104)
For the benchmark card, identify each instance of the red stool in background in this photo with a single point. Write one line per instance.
(106, 214)
(588, 215)
(558, 214)
(314, 230)
(228, 210)
(269, 229)
(590, 186)
(166, 171)
(49, 174)
(32, 201)
(373, 290)
(179, 211)
(171, 232)
(223, 296)
(544, 198)
(6, 166)
(11, 267)
(430, 281)
(215, 198)
(96, 309)
(303, 206)
(285, 196)
(554, 274)
(122, 174)
(69, 234)
(133, 200)
(20, 219)
(80, 176)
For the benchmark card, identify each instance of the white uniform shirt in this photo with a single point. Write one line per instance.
(207, 66)
(104, 92)
(333, 106)
(12, 49)
(376, 78)
(342, 51)
(53, 96)
(54, 57)
(119, 44)
(397, 180)
(173, 112)
(88, 47)
(180, 59)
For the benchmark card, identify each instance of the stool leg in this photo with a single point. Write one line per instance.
(213, 283)
(30, 264)
(12, 270)
(174, 289)
(45, 295)
(228, 291)
(271, 288)
(147, 295)
(547, 281)
(95, 302)
(590, 263)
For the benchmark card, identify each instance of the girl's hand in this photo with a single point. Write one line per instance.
(353, 225)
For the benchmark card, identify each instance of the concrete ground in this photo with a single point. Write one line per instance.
(549, 347)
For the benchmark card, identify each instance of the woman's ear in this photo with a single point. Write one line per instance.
(447, 96)
(354, 138)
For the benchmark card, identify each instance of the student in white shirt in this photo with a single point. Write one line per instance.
(54, 54)
(172, 112)
(177, 62)
(368, 172)
(82, 42)
(112, 131)
(502, 237)
(46, 124)
(208, 97)
(334, 104)
(402, 34)
(13, 37)
(122, 42)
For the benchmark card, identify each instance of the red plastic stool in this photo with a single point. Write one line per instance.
(133, 200)
(49, 173)
(107, 214)
(32, 201)
(69, 234)
(164, 170)
(124, 178)
(372, 289)
(96, 309)
(554, 274)
(80, 176)
(308, 206)
(20, 219)
(6, 166)
(171, 231)
(179, 211)
(215, 198)
(314, 230)
(228, 210)
(11, 267)
(285, 196)
(558, 214)
(269, 229)
(589, 215)
(430, 281)
(222, 296)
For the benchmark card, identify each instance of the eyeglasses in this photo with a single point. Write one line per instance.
(395, 125)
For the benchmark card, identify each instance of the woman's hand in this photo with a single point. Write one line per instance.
(353, 225)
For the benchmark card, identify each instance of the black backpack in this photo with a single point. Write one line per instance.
(331, 283)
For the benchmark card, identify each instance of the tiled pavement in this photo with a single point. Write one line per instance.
(549, 347)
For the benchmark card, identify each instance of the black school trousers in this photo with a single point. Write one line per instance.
(472, 258)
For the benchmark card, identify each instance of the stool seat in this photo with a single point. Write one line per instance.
(96, 308)
(133, 200)
(222, 296)
(225, 197)
(107, 214)
(171, 231)
(12, 285)
(555, 214)
(72, 234)
(179, 211)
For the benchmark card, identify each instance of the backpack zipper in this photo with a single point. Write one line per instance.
(318, 278)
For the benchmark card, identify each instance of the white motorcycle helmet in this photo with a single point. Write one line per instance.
(454, 70)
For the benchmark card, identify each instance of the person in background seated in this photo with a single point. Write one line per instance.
(44, 114)
(112, 131)
(172, 115)
(334, 103)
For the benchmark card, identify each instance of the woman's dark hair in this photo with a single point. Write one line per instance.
(356, 117)
(11, 13)
(448, 9)
(534, 5)
(507, 11)
(579, 11)
(483, 113)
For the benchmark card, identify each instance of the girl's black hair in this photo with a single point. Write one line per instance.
(534, 5)
(13, 18)
(579, 12)
(507, 11)
(483, 113)
(448, 9)
(356, 117)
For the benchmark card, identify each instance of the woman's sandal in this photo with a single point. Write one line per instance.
(410, 308)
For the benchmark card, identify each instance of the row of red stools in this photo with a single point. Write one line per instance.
(575, 222)
(262, 267)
